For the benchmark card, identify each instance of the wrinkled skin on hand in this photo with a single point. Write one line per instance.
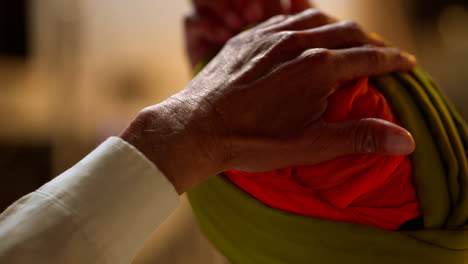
(258, 105)
(213, 22)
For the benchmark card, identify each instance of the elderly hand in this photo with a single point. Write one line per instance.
(258, 105)
(215, 21)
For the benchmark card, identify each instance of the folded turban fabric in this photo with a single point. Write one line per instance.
(370, 189)
(247, 230)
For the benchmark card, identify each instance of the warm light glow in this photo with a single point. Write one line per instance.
(453, 28)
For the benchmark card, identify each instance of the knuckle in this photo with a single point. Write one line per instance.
(284, 42)
(319, 55)
(276, 19)
(365, 140)
(272, 21)
(314, 14)
(261, 32)
(289, 38)
(280, 17)
(374, 55)
(352, 30)
(351, 25)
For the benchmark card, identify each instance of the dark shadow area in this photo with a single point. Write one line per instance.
(24, 168)
(14, 33)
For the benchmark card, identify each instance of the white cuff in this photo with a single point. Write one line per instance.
(117, 196)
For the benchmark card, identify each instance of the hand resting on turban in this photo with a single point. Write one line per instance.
(348, 209)
(370, 189)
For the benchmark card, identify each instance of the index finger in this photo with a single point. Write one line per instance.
(307, 19)
(357, 62)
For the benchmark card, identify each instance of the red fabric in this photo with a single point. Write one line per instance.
(370, 189)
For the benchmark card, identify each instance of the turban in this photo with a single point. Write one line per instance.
(369, 189)
(348, 212)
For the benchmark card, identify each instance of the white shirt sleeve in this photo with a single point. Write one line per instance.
(102, 210)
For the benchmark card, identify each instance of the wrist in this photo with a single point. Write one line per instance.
(177, 141)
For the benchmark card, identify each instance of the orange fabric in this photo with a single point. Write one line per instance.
(370, 189)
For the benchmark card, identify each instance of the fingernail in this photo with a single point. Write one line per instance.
(399, 143)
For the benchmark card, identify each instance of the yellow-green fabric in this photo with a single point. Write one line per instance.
(247, 231)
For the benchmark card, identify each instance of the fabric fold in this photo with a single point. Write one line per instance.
(247, 230)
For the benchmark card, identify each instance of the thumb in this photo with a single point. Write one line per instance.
(369, 135)
(322, 142)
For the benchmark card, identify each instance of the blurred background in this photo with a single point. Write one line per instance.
(73, 73)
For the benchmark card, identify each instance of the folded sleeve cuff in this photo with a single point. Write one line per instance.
(118, 197)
